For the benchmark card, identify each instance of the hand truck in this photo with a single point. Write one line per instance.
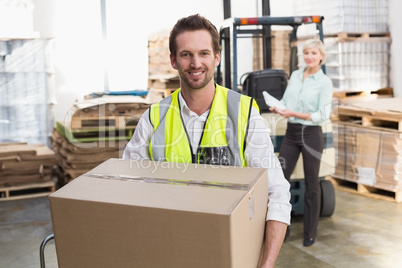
(42, 249)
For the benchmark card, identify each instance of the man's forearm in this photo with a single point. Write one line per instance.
(274, 235)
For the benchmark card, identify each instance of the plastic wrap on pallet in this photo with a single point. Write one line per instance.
(25, 87)
(355, 64)
(26, 56)
(347, 16)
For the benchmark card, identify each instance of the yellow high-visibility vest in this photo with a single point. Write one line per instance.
(225, 127)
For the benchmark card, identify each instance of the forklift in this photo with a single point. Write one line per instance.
(274, 81)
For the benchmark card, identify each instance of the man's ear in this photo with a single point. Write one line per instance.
(173, 61)
(217, 59)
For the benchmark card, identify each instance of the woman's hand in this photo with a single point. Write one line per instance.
(274, 110)
(286, 113)
(283, 112)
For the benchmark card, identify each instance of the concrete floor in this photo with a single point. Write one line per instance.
(363, 232)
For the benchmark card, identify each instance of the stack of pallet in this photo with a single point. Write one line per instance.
(368, 138)
(162, 76)
(25, 167)
(96, 130)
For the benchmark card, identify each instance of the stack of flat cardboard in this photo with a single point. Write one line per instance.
(122, 111)
(95, 130)
(368, 139)
(22, 163)
(76, 158)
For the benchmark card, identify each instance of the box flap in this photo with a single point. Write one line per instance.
(189, 187)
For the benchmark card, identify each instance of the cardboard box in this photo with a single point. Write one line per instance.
(127, 213)
(369, 156)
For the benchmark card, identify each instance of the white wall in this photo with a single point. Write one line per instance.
(395, 22)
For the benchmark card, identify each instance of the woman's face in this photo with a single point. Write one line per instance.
(312, 57)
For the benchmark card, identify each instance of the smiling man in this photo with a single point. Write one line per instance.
(203, 122)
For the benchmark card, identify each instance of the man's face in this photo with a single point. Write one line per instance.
(195, 59)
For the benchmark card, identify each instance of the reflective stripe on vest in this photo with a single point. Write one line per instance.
(226, 126)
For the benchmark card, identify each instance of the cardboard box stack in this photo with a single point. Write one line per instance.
(162, 76)
(94, 131)
(368, 137)
(156, 214)
(22, 164)
(280, 51)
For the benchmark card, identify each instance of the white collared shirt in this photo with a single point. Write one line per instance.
(259, 153)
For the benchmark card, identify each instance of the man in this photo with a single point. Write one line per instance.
(203, 122)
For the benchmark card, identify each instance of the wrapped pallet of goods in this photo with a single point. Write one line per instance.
(26, 89)
(368, 137)
(357, 41)
(369, 16)
(355, 64)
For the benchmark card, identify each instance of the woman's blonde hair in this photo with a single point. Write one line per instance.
(316, 43)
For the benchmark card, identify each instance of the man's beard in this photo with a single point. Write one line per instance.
(195, 85)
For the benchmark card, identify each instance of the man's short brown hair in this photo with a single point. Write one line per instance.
(193, 23)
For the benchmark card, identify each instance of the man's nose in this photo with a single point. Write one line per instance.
(195, 61)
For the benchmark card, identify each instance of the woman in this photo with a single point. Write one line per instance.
(308, 105)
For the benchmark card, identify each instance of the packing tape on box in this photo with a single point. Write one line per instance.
(231, 186)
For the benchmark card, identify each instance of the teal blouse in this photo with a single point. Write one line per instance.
(313, 96)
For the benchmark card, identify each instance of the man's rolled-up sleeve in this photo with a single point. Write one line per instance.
(260, 153)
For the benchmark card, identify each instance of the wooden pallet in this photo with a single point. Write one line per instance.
(94, 134)
(119, 122)
(27, 191)
(365, 190)
(386, 92)
(348, 36)
(368, 118)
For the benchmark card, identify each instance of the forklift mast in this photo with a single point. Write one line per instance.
(234, 28)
